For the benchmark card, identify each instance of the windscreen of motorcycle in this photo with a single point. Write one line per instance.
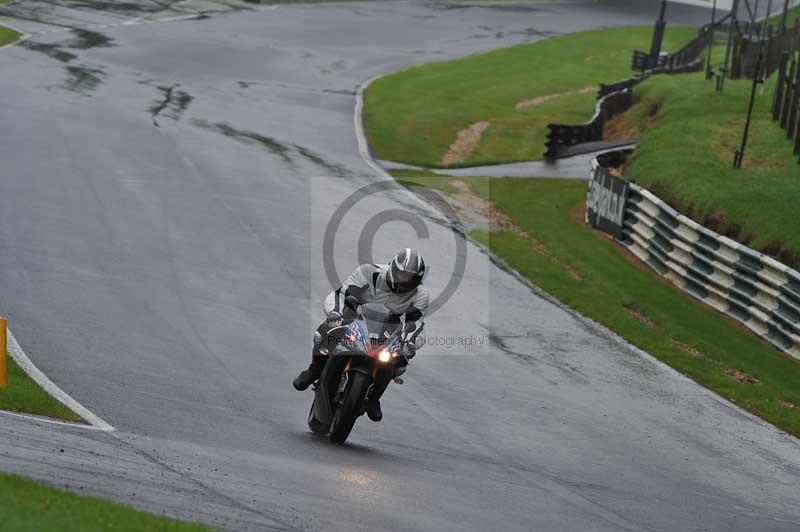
(382, 324)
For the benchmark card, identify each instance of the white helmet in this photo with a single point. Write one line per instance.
(406, 270)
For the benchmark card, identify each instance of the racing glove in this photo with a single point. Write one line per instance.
(334, 319)
(410, 350)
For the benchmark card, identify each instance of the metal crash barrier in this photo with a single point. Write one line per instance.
(751, 287)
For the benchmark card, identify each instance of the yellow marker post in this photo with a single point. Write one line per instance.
(3, 354)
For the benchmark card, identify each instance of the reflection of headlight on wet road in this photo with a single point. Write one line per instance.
(356, 478)
(385, 355)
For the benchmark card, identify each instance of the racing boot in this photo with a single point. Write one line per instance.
(373, 405)
(309, 376)
(374, 410)
(306, 378)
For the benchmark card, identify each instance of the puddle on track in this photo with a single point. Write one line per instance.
(87, 39)
(286, 151)
(334, 169)
(83, 79)
(250, 137)
(173, 104)
(52, 50)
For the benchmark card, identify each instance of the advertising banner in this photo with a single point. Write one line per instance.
(605, 205)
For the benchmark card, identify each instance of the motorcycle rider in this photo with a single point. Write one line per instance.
(398, 286)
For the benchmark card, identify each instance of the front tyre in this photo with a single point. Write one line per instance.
(316, 426)
(350, 408)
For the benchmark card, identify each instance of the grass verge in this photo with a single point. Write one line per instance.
(794, 14)
(7, 35)
(29, 505)
(23, 395)
(686, 151)
(598, 278)
(415, 115)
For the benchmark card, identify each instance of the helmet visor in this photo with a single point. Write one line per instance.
(403, 277)
(404, 281)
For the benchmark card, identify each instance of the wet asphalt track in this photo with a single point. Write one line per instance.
(164, 190)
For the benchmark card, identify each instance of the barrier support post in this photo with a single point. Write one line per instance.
(3, 353)
(739, 156)
(785, 15)
(726, 62)
(658, 36)
(713, 33)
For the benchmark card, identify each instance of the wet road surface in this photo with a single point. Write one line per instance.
(165, 189)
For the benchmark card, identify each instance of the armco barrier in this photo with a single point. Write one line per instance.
(695, 66)
(751, 287)
(687, 59)
(625, 84)
(612, 99)
(615, 98)
(562, 136)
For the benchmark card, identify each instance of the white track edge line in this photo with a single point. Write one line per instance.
(51, 421)
(361, 138)
(50, 387)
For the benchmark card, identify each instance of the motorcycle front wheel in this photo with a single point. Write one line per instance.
(316, 426)
(350, 407)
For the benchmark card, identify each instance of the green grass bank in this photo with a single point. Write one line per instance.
(688, 136)
(29, 505)
(7, 35)
(415, 115)
(794, 14)
(23, 395)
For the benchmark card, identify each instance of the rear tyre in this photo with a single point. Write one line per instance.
(349, 410)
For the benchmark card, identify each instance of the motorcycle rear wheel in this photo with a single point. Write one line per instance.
(349, 410)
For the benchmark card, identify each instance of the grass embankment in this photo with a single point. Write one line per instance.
(7, 35)
(23, 395)
(686, 151)
(28, 505)
(596, 277)
(794, 14)
(414, 116)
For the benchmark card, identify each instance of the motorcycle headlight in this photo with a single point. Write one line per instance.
(385, 355)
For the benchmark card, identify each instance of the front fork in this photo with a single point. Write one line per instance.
(339, 395)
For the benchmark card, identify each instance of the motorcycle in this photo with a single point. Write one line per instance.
(371, 344)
